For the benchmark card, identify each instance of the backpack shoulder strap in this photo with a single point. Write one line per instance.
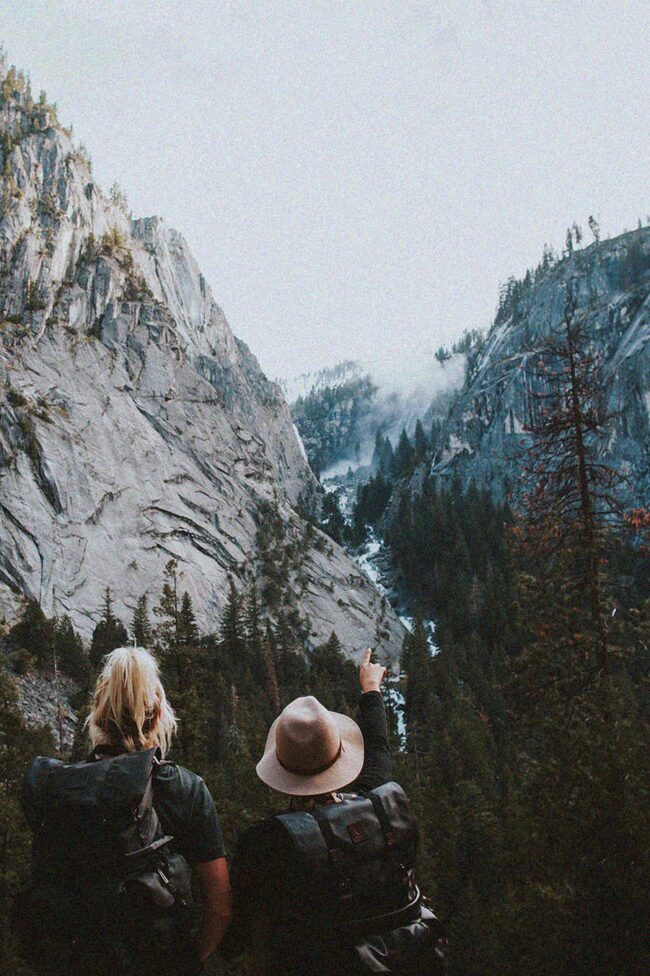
(394, 813)
(337, 854)
(306, 839)
(35, 788)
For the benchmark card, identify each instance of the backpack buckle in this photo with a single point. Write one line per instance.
(345, 888)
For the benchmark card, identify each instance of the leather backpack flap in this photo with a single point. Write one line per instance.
(357, 826)
(83, 812)
(114, 785)
(356, 829)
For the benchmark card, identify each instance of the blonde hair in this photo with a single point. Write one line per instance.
(130, 708)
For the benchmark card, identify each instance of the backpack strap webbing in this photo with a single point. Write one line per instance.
(400, 872)
(337, 854)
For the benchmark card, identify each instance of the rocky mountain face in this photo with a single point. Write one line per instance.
(483, 434)
(134, 426)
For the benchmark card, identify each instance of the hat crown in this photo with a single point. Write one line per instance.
(307, 738)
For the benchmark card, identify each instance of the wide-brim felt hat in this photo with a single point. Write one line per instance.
(310, 750)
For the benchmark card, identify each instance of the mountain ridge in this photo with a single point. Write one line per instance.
(484, 433)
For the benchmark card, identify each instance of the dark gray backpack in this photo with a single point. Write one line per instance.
(357, 907)
(108, 895)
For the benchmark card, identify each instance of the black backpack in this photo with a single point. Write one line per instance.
(357, 907)
(107, 893)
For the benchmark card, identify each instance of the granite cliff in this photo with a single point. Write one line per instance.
(134, 426)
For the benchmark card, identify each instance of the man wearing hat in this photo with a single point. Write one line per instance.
(311, 754)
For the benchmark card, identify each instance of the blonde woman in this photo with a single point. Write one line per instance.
(116, 840)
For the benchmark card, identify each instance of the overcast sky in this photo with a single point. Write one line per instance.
(356, 179)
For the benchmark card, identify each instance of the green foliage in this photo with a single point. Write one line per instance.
(634, 264)
(529, 793)
(333, 679)
(108, 634)
(421, 443)
(404, 458)
(279, 567)
(469, 339)
(452, 552)
(18, 746)
(370, 504)
(32, 301)
(40, 642)
(16, 398)
(332, 519)
(112, 243)
(118, 198)
(28, 436)
(71, 654)
(34, 633)
(175, 641)
(141, 624)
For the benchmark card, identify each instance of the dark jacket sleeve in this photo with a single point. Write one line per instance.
(377, 764)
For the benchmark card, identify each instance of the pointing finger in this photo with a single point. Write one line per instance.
(367, 656)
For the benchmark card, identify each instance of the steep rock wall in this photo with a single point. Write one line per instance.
(134, 426)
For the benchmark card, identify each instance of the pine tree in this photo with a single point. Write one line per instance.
(34, 634)
(404, 457)
(141, 625)
(421, 443)
(574, 494)
(378, 450)
(272, 686)
(71, 654)
(387, 458)
(568, 692)
(252, 622)
(108, 634)
(333, 678)
(434, 434)
(594, 227)
(182, 662)
(188, 631)
(569, 241)
(231, 633)
(332, 520)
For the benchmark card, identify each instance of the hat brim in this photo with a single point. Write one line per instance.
(343, 771)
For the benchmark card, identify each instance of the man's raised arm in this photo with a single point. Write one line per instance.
(377, 764)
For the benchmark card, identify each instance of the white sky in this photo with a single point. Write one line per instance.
(356, 179)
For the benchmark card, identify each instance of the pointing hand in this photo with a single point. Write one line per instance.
(370, 675)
